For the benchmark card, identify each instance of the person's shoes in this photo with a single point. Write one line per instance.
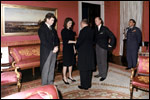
(128, 68)
(102, 79)
(89, 87)
(66, 82)
(73, 80)
(80, 87)
(97, 76)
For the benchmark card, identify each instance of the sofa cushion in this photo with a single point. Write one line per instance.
(28, 63)
(141, 82)
(8, 78)
(24, 53)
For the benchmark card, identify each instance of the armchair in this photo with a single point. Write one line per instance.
(11, 76)
(140, 76)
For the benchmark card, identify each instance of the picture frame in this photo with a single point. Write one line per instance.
(18, 20)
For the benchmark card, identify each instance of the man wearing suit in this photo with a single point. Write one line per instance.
(86, 61)
(134, 37)
(48, 49)
(105, 40)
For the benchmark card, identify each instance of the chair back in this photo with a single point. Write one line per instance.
(143, 66)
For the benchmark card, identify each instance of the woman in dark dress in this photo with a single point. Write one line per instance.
(68, 37)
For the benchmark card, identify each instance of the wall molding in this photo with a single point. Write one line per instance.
(19, 43)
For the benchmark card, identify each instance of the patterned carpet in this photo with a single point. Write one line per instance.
(116, 86)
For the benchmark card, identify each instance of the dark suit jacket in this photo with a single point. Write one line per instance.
(85, 50)
(134, 38)
(102, 37)
(49, 39)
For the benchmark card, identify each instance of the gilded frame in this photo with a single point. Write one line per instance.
(20, 25)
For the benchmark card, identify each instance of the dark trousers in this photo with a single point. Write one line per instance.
(132, 56)
(85, 78)
(102, 63)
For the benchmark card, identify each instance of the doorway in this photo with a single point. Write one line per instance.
(89, 12)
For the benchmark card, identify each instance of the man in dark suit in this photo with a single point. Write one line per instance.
(48, 49)
(86, 59)
(105, 40)
(134, 38)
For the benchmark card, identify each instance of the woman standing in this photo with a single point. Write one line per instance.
(68, 37)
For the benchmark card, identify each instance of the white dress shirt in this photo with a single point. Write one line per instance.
(99, 27)
(48, 26)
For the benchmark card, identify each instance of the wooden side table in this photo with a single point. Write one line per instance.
(143, 54)
(6, 66)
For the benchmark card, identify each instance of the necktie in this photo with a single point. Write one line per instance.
(50, 28)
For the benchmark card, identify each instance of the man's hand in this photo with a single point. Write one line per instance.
(109, 46)
(55, 50)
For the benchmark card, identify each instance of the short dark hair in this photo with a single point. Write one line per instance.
(85, 21)
(49, 15)
(133, 21)
(102, 22)
(67, 20)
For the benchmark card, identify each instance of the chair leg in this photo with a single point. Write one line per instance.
(18, 79)
(19, 85)
(131, 91)
(19, 88)
(33, 71)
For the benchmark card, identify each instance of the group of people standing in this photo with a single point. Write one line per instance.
(100, 40)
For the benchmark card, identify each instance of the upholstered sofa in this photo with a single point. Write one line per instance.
(41, 92)
(28, 56)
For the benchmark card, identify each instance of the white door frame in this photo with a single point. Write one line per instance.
(101, 3)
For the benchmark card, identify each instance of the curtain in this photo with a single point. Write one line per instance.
(129, 10)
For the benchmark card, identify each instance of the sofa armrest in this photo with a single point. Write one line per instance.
(12, 69)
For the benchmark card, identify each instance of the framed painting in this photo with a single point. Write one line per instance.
(17, 20)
